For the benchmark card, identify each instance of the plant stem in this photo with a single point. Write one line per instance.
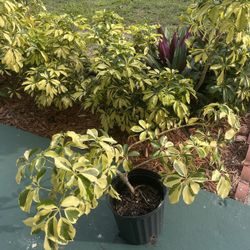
(149, 160)
(164, 132)
(125, 180)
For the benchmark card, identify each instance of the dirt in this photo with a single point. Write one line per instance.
(143, 201)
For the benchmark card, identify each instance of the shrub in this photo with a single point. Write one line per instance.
(220, 44)
(57, 59)
(66, 180)
(125, 88)
(47, 51)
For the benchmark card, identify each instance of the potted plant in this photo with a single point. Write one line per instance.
(66, 180)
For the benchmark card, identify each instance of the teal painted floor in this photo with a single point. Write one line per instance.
(208, 224)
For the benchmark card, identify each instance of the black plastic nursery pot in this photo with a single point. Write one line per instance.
(144, 228)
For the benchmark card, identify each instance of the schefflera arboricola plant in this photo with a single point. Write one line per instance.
(186, 164)
(65, 182)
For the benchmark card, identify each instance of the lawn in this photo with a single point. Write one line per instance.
(165, 12)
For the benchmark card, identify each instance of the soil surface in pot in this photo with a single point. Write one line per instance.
(143, 201)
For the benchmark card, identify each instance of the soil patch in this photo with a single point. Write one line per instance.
(143, 201)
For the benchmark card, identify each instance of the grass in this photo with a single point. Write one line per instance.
(165, 12)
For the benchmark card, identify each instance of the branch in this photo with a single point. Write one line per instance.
(163, 133)
(125, 180)
(149, 160)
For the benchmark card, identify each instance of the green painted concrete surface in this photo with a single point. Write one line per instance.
(208, 224)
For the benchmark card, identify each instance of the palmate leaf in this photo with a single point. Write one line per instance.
(65, 230)
(195, 187)
(180, 168)
(137, 129)
(49, 244)
(230, 134)
(175, 193)
(51, 229)
(70, 201)
(172, 180)
(187, 194)
(72, 214)
(25, 199)
(223, 187)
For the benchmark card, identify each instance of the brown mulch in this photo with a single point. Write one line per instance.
(45, 122)
(24, 114)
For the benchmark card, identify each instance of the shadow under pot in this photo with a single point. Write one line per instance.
(140, 216)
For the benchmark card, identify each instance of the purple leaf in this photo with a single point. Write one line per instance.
(163, 46)
(173, 47)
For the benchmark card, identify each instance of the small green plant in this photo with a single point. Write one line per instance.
(65, 181)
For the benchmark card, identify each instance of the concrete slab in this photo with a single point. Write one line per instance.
(208, 224)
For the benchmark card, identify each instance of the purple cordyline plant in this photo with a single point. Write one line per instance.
(173, 54)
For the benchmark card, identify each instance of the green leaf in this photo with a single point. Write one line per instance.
(216, 175)
(70, 201)
(20, 174)
(51, 154)
(199, 177)
(143, 136)
(195, 187)
(92, 132)
(72, 214)
(47, 205)
(187, 195)
(175, 193)
(127, 166)
(49, 245)
(90, 177)
(193, 120)
(230, 134)
(91, 171)
(40, 175)
(25, 200)
(172, 180)
(65, 229)
(223, 187)
(180, 167)
(133, 154)
(98, 192)
(62, 163)
(137, 129)
(29, 221)
(51, 229)
(102, 182)
(143, 124)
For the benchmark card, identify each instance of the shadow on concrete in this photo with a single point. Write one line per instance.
(98, 226)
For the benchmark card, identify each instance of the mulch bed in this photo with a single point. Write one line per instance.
(24, 114)
(45, 122)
